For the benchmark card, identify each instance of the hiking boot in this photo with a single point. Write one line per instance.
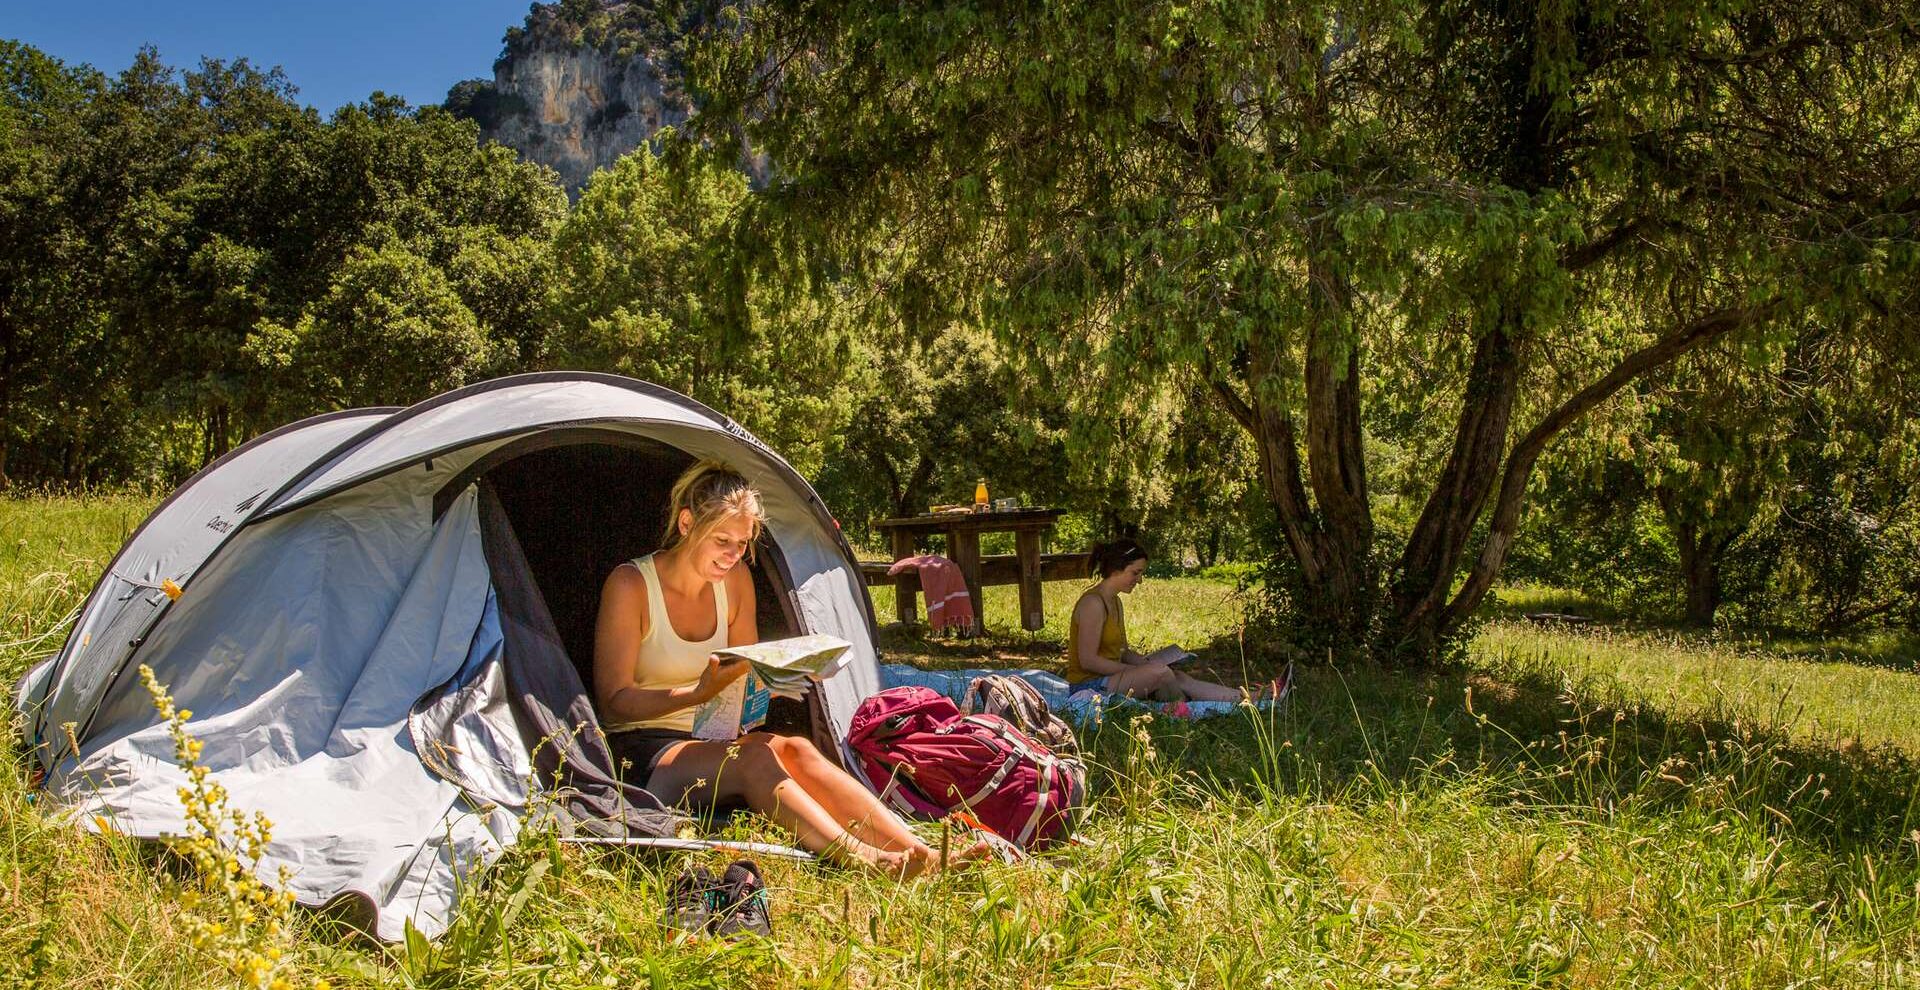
(746, 902)
(690, 901)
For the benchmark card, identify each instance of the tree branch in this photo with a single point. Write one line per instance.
(1236, 407)
(1599, 248)
(1513, 482)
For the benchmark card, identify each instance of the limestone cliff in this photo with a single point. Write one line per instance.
(580, 84)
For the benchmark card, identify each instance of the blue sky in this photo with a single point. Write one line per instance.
(335, 51)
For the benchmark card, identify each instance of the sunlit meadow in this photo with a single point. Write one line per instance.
(1594, 807)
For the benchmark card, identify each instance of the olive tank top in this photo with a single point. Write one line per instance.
(1113, 637)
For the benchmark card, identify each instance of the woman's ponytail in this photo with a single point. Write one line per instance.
(1113, 556)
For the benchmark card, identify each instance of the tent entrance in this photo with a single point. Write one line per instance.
(582, 501)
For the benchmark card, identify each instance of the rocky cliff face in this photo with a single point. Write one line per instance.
(579, 85)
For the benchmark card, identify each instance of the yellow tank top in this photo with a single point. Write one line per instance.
(1113, 637)
(666, 660)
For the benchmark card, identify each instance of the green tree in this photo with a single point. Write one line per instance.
(390, 330)
(1715, 461)
(159, 220)
(1785, 489)
(646, 282)
(214, 262)
(931, 419)
(1207, 469)
(387, 227)
(44, 309)
(1294, 202)
(1846, 538)
(122, 144)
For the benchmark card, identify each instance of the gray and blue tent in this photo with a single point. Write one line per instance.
(385, 627)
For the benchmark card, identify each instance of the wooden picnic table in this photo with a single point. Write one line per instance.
(962, 530)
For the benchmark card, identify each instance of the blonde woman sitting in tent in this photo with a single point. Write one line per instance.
(661, 617)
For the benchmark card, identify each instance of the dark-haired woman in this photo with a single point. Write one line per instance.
(1098, 656)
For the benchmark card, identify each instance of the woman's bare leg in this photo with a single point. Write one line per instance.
(1200, 690)
(702, 772)
(1143, 680)
(852, 804)
(848, 800)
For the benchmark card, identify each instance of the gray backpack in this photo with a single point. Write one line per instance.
(1016, 701)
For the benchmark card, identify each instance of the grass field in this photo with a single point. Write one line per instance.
(1609, 807)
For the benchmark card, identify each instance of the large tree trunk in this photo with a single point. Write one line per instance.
(1439, 539)
(1338, 473)
(1334, 574)
(1331, 537)
(1701, 566)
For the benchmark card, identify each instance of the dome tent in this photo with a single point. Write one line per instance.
(384, 629)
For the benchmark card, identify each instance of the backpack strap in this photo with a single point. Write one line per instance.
(1007, 734)
(898, 785)
(893, 797)
(1039, 809)
(993, 783)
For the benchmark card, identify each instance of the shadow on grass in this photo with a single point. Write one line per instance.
(1537, 739)
(917, 645)
(1884, 649)
(1221, 660)
(1892, 649)
(1547, 606)
(1533, 741)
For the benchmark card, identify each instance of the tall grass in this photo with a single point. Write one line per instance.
(1578, 810)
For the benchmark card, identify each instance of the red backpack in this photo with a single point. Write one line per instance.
(924, 758)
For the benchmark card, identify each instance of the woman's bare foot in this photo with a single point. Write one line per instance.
(851, 852)
(923, 860)
(897, 865)
(908, 863)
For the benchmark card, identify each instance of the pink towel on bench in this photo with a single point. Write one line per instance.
(948, 603)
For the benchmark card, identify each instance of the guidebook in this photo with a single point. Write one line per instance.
(784, 668)
(1174, 656)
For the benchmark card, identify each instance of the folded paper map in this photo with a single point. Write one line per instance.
(783, 668)
(788, 666)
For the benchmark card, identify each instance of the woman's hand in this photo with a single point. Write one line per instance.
(720, 672)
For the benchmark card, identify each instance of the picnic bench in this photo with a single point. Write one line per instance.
(1026, 566)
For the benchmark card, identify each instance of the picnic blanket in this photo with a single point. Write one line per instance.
(1083, 706)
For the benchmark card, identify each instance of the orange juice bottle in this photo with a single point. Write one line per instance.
(980, 496)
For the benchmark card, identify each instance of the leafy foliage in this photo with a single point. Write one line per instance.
(186, 226)
(1499, 213)
(391, 325)
(645, 283)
